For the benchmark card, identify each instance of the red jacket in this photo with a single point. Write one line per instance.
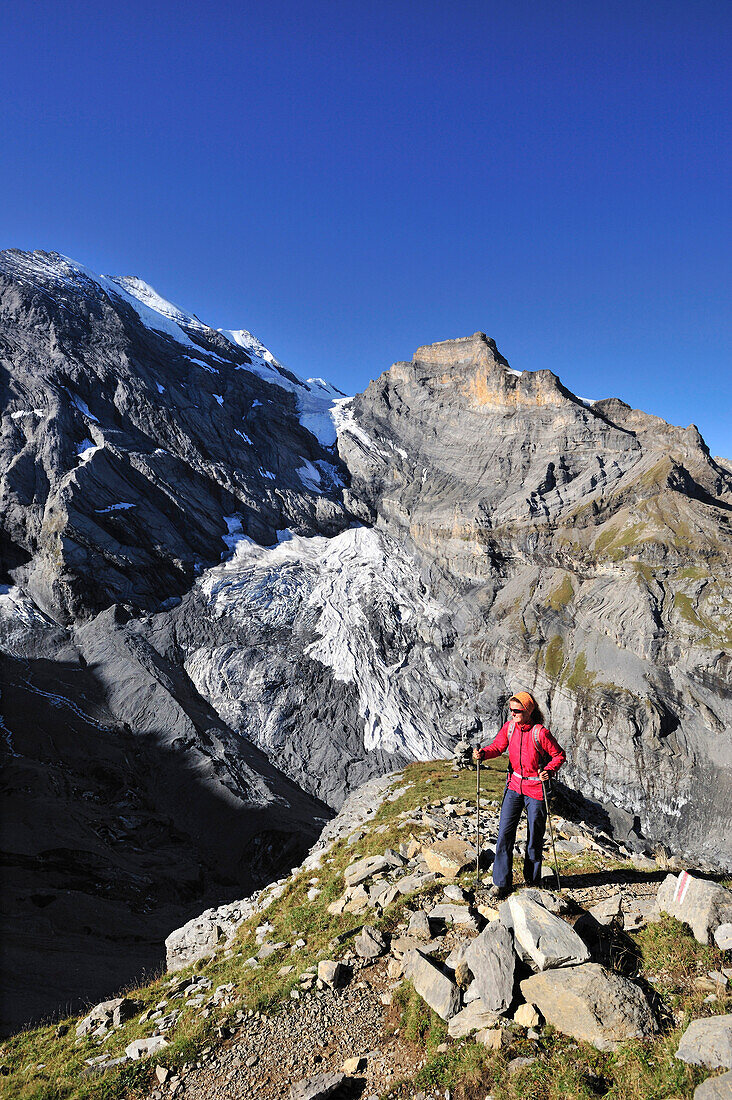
(525, 757)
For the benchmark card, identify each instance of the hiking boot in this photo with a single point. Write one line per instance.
(498, 893)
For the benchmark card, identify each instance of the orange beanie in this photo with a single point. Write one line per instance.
(525, 700)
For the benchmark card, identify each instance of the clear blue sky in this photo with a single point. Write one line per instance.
(350, 180)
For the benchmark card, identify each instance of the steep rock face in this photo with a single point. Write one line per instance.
(587, 546)
(119, 783)
(130, 434)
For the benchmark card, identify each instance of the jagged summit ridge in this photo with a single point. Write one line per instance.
(115, 401)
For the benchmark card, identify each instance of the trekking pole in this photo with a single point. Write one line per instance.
(551, 834)
(477, 825)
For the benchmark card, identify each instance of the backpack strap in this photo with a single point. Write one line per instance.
(539, 748)
(509, 769)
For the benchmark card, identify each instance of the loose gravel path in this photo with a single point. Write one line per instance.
(311, 1036)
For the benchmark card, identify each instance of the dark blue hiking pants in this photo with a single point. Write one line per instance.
(513, 804)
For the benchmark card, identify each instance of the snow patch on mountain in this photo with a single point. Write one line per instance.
(315, 397)
(149, 297)
(15, 604)
(310, 476)
(82, 407)
(335, 585)
(344, 422)
(86, 449)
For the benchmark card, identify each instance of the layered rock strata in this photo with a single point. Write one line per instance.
(583, 551)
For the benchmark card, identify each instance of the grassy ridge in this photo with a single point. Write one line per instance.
(43, 1064)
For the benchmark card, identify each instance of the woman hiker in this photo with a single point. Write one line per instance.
(533, 756)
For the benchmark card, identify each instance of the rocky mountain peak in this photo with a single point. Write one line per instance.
(472, 351)
(471, 372)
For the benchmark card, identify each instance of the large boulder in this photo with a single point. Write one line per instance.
(701, 904)
(547, 940)
(141, 1048)
(492, 960)
(332, 973)
(449, 857)
(106, 1014)
(199, 938)
(440, 992)
(708, 1043)
(592, 1004)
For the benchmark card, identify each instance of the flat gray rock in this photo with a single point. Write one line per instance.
(419, 925)
(708, 1043)
(474, 1017)
(547, 940)
(383, 893)
(317, 1088)
(434, 987)
(591, 1004)
(492, 960)
(366, 868)
(703, 905)
(715, 1088)
(723, 937)
(410, 884)
(450, 913)
(400, 945)
(608, 910)
(141, 1048)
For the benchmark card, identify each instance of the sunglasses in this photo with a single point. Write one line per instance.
(517, 710)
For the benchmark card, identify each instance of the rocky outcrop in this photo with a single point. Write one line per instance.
(131, 431)
(583, 551)
(592, 1004)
